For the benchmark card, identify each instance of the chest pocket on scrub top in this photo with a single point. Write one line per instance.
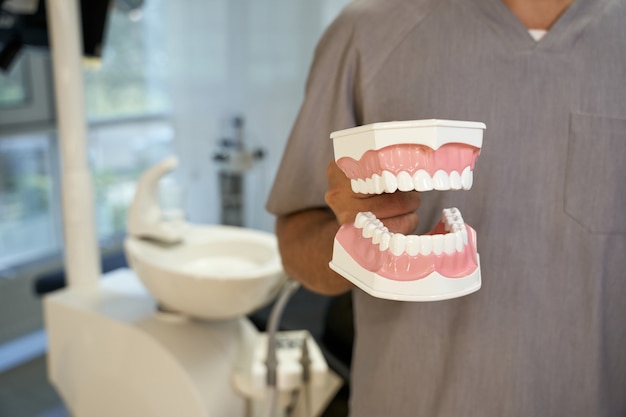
(595, 184)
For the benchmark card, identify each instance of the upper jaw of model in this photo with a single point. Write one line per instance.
(419, 155)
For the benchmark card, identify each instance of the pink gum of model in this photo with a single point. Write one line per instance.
(409, 158)
(406, 267)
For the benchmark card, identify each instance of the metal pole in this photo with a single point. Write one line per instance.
(82, 264)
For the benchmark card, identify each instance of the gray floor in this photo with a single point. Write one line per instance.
(25, 392)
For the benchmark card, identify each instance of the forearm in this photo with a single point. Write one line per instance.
(305, 240)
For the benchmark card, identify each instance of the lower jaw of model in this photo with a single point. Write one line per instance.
(439, 265)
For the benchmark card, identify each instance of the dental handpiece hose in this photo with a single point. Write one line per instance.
(305, 361)
(271, 362)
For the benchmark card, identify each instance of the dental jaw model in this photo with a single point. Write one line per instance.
(421, 155)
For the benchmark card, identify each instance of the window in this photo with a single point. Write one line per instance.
(120, 153)
(132, 77)
(28, 160)
(25, 92)
(127, 106)
(13, 86)
(29, 215)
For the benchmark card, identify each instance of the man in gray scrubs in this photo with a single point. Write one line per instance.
(546, 334)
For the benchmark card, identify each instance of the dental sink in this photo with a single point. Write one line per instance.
(213, 273)
(210, 272)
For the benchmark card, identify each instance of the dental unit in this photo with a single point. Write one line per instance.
(421, 155)
(170, 336)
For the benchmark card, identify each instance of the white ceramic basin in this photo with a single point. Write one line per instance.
(216, 272)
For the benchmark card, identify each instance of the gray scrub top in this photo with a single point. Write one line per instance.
(546, 334)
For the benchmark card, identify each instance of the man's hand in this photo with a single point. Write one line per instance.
(306, 238)
(397, 210)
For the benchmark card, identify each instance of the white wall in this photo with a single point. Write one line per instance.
(238, 57)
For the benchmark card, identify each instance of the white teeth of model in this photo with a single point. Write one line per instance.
(369, 186)
(426, 245)
(390, 182)
(451, 243)
(461, 240)
(368, 230)
(362, 218)
(378, 186)
(422, 181)
(405, 182)
(467, 178)
(441, 180)
(453, 223)
(354, 184)
(371, 225)
(397, 244)
(437, 244)
(385, 240)
(413, 245)
(451, 217)
(362, 186)
(455, 181)
(374, 185)
(378, 234)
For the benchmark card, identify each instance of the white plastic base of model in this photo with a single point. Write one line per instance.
(355, 141)
(434, 287)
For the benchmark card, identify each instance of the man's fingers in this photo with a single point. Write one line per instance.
(405, 224)
(396, 210)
